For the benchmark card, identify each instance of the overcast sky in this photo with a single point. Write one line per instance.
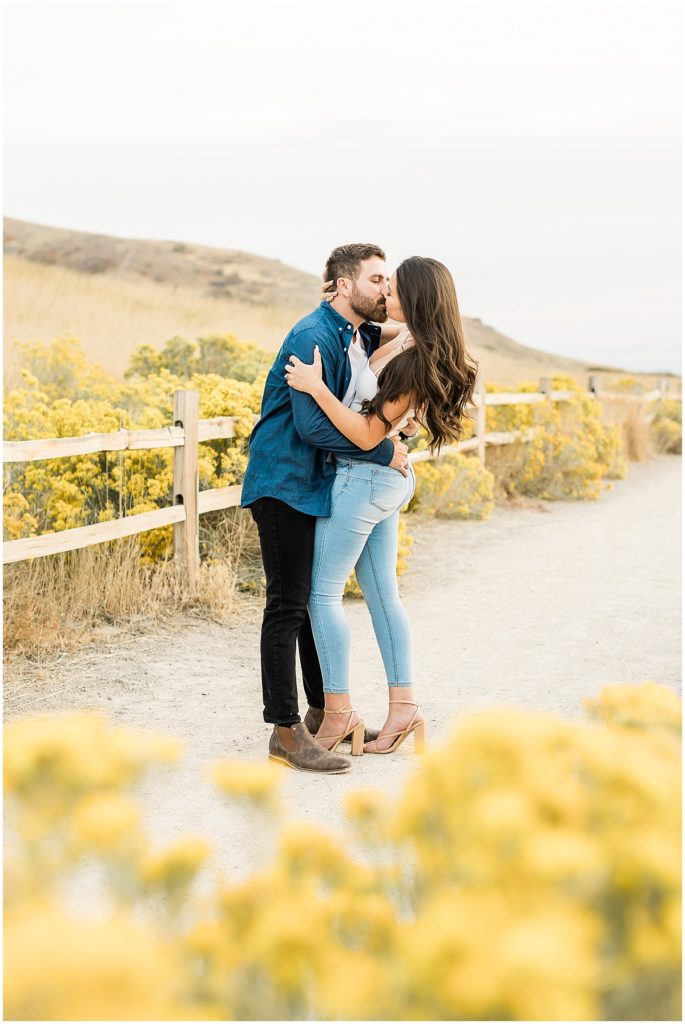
(533, 147)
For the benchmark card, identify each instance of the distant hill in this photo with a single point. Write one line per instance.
(215, 273)
(115, 294)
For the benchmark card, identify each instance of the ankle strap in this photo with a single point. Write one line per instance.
(403, 702)
(337, 711)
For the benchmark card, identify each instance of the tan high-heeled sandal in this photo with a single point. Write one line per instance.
(418, 728)
(353, 733)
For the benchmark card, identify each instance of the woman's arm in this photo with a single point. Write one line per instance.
(389, 332)
(364, 431)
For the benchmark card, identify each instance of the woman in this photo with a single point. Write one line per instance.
(421, 371)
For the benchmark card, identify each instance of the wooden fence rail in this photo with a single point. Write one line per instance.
(189, 502)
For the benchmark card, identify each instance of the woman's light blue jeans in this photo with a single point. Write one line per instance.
(360, 533)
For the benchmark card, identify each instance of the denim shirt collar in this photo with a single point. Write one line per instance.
(368, 331)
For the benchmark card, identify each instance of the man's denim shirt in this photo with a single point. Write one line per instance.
(290, 444)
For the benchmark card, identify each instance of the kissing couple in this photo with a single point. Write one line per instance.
(327, 475)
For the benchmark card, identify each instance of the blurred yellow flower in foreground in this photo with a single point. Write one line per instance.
(57, 967)
(175, 867)
(76, 753)
(366, 806)
(528, 870)
(105, 821)
(258, 783)
(348, 983)
(165, 749)
(633, 706)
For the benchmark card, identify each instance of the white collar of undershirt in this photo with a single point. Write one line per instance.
(358, 360)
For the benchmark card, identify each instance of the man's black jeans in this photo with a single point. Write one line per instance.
(286, 537)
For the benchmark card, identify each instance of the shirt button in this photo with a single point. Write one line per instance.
(349, 327)
(340, 328)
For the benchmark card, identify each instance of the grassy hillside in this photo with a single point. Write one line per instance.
(115, 294)
(112, 316)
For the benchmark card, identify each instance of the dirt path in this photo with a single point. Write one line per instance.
(532, 608)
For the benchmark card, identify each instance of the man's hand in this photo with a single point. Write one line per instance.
(400, 459)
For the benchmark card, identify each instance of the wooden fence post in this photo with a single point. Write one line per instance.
(593, 384)
(546, 387)
(663, 388)
(186, 543)
(480, 417)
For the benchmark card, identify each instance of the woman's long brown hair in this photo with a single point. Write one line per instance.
(437, 371)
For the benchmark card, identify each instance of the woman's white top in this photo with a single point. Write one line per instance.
(358, 360)
(367, 386)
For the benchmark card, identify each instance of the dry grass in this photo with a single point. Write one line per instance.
(229, 542)
(61, 602)
(52, 604)
(112, 316)
(504, 462)
(636, 433)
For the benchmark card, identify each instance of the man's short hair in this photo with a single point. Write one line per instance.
(345, 261)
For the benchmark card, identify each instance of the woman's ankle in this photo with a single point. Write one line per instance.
(337, 701)
(400, 694)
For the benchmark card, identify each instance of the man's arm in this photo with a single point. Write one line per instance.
(316, 429)
(311, 423)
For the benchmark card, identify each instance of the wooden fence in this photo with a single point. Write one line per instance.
(189, 502)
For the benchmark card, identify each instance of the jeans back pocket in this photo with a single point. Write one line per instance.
(388, 490)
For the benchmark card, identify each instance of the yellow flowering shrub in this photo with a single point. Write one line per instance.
(71, 398)
(63, 369)
(453, 486)
(570, 450)
(510, 417)
(667, 426)
(221, 354)
(17, 519)
(628, 385)
(528, 870)
(404, 545)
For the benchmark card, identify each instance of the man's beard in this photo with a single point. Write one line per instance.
(370, 309)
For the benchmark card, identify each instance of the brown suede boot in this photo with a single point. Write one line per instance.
(308, 755)
(314, 718)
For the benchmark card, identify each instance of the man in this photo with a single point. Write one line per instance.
(288, 484)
